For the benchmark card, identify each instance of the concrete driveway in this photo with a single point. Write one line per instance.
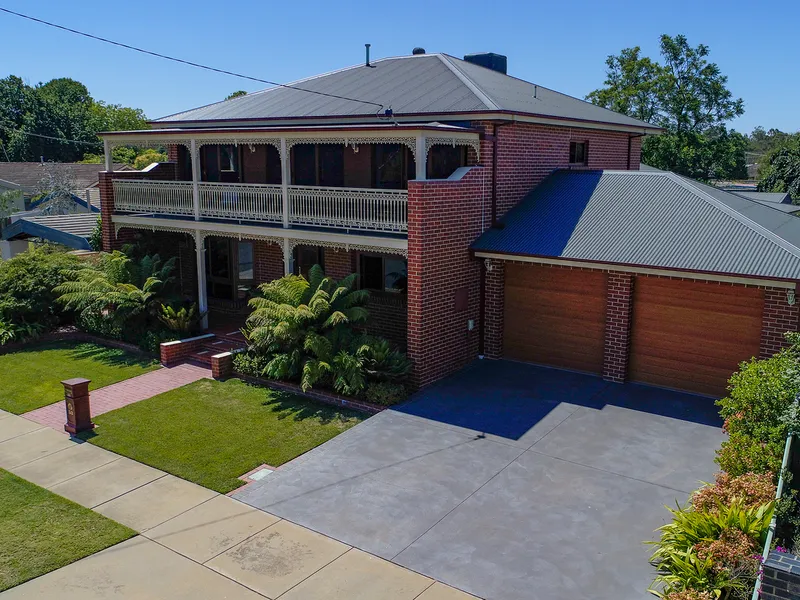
(508, 481)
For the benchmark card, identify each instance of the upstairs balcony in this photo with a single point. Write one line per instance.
(357, 209)
(343, 179)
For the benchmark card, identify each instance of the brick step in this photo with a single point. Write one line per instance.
(217, 346)
(202, 357)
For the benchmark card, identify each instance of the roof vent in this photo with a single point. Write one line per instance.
(418, 50)
(490, 60)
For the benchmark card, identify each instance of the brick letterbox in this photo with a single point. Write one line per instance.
(76, 398)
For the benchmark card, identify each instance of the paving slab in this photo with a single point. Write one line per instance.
(440, 591)
(107, 482)
(13, 426)
(357, 575)
(211, 528)
(4, 414)
(135, 569)
(546, 528)
(636, 444)
(66, 464)
(156, 502)
(31, 446)
(278, 558)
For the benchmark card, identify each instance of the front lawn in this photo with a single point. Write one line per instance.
(32, 377)
(211, 432)
(41, 532)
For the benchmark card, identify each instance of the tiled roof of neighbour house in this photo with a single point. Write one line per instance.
(429, 84)
(29, 174)
(70, 230)
(648, 219)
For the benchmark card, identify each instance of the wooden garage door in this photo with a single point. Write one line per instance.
(692, 335)
(555, 317)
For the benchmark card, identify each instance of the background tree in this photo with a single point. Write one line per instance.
(779, 170)
(61, 108)
(235, 94)
(57, 185)
(687, 96)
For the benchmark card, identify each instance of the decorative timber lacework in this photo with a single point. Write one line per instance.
(348, 247)
(149, 143)
(353, 142)
(167, 228)
(241, 141)
(445, 141)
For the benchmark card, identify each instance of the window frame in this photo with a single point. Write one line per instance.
(573, 151)
(383, 258)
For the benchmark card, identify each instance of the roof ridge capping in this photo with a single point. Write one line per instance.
(465, 79)
(744, 219)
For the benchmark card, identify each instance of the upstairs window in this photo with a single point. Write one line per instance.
(579, 153)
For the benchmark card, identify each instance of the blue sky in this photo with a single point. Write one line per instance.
(561, 45)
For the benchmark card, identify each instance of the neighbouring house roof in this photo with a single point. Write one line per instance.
(70, 230)
(429, 84)
(774, 197)
(651, 219)
(28, 174)
(94, 201)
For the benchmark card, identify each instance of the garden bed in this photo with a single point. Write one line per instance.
(31, 376)
(211, 432)
(42, 531)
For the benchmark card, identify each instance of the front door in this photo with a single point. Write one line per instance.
(219, 258)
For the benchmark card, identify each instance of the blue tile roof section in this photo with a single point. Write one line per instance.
(649, 219)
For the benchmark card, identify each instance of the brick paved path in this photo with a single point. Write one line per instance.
(123, 393)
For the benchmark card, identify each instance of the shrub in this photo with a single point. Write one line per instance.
(26, 286)
(250, 363)
(690, 595)
(19, 332)
(385, 393)
(151, 340)
(382, 362)
(183, 321)
(761, 392)
(711, 551)
(96, 237)
(753, 489)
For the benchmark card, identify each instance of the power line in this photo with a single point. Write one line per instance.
(50, 137)
(186, 62)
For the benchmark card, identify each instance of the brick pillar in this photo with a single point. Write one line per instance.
(619, 302)
(779, 317)
(172, 153)
(222, 365)
(781, 577)
(267, 261)
(494, 309)
(107, 209)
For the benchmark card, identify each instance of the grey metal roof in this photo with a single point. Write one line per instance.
(70, 230)
(776, 197)
(411, 85)
(653, 219)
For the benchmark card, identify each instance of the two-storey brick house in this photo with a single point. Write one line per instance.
(394, 169)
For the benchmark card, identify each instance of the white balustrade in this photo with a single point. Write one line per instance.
(241, 201)
(157, 197)
(341, 208)
(349, 208)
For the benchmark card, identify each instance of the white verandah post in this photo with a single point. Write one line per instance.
(195, 179)
(287, 257)
(286, 176)
(421, 158)
(107, 153)
(202, 296)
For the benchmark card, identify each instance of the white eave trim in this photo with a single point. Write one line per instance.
(742, 280)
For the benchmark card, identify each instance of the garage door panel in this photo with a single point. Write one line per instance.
(692, 335)
(555, 316)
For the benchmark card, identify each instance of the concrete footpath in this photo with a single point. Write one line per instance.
(194, 543)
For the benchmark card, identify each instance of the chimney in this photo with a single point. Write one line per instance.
(490, 60)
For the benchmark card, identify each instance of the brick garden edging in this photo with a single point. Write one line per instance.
(321, 396)
(73, 335)
(781, 577)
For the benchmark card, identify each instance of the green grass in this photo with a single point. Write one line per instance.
(31, 378)
(212, 432)
(40, 531)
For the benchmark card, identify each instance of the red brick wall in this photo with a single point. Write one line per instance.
(444, 217)
(172, 153)
(338, 263)
(493, 310)
(388, 318)
(268, 261)
(527, 153)
(779, 317)
(618, 326)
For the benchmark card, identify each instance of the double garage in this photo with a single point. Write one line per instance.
(684, 334)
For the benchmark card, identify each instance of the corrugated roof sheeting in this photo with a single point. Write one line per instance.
(70, 230)
(426, 84)
(648, 219)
